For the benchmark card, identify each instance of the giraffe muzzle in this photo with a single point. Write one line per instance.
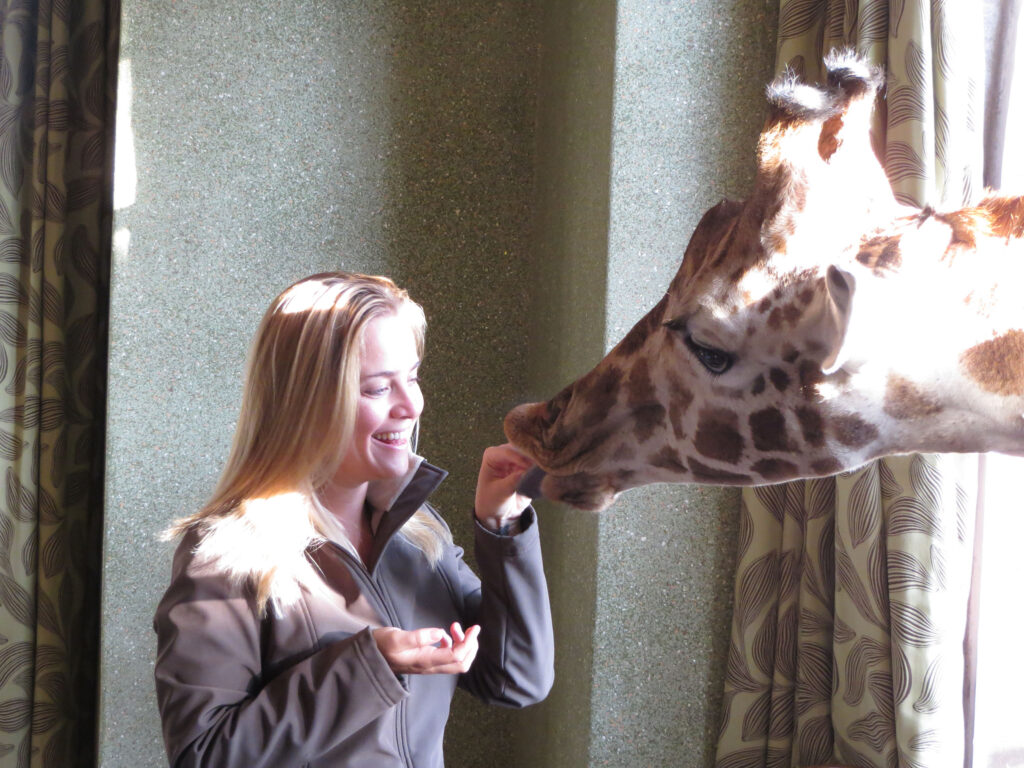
(529, 484)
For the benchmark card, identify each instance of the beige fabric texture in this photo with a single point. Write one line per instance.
(56, 98)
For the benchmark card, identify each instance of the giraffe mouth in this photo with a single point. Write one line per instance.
(579, 490)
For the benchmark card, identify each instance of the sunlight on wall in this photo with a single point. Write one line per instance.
(998, 739)
(125, 176)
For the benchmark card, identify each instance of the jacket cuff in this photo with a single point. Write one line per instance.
(391, 687)
(512, 542)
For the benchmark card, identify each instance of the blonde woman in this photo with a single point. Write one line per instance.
(318, 612)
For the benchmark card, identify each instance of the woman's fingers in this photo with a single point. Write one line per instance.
(428, 651)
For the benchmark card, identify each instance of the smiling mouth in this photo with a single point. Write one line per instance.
(392, 438)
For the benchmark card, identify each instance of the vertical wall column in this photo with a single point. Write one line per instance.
(682, 88)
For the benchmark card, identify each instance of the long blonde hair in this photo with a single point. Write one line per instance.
(298, 408)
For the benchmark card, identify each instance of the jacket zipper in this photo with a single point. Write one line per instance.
(387, 608)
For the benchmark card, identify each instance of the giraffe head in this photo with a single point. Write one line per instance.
(749, 369)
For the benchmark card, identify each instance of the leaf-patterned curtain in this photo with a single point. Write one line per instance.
(57, 74)
(851, 592)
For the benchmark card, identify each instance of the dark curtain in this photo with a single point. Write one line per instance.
(58, 64)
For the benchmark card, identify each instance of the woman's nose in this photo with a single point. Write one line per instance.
(408, 403)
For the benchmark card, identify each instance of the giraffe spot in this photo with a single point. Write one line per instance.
(647, 419)
(768, 428)
(776, 470)
(998, 365)
(680, 398)
(639, 333)
(812, 426)
(764, 305)
(828, 141)
(790, 353)
(625, 452)
(963, 227)
(805, 297)
(668, 458)
(829, 466)
(853, 431)
(598, 391)
(759, 385)
(706, 474)
(717, 435)
(881, 254)
(639, 387)
(810, 376)
(903, 400)
(675, 417)
(780, 379)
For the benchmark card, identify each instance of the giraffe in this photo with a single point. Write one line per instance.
(810, 328)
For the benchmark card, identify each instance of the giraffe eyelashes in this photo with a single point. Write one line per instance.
(715, 360)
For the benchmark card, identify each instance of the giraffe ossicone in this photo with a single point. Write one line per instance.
(812, 327)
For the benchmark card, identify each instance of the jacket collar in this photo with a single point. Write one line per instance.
(392, 502)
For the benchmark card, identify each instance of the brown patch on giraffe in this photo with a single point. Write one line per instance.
(639, 333)
(805, 297)
(764, 305)
(718, 435)
(790, 353)
(881, 254)
(810, 377)
(600, 388)
(780, 379)
(768, 429)
(759, 385)
(829, 466)
(963, 227)
(852, 431)
(1006, 215)
(639, 386)
(998, 365)
(647, 419)
(668, 458)
(775, 470)
(812, 426)
(625, 452)
(702, 472)
(786, 315)
(680, 399)
(828, 142)
(903, 400)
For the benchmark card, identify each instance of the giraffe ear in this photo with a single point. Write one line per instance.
(839, 288)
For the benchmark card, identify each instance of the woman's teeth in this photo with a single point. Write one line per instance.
(391, 437)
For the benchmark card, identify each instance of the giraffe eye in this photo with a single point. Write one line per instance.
(715, 360)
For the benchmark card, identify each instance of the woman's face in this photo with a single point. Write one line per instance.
(389, 404)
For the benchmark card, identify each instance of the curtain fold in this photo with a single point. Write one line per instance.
(57, 76)
(851, 592)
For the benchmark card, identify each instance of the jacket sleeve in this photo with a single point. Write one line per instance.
(515, 664)
(215, 706)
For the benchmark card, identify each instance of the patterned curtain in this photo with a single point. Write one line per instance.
(57, 67)
(852, 592)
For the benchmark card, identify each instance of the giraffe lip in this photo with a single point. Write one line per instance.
(529, 484)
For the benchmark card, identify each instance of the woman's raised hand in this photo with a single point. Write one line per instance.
(501, 469)
(430, 651)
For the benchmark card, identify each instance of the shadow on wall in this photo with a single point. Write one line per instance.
(458, 214)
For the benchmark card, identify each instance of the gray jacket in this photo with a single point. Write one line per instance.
(308, 686)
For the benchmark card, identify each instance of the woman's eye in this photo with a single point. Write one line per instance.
(375, 391)
(715, 360)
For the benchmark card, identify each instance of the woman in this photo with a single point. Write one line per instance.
(305, 622)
